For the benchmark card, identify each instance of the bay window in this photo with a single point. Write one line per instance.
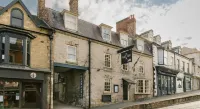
(14, 49)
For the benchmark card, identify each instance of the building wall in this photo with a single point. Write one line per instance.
(61, 42)
(100, 72)
(39, 45)
(39, 57)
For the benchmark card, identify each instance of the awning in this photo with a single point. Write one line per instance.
(63, 67)
(128, 80)
(165, 70)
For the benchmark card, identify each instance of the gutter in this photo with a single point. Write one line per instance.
(89, 71)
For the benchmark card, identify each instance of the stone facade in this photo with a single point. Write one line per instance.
(167, 57)
(39, 48)
(100, 72)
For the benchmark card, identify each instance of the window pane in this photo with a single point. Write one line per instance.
(71, 50)
(2, 57)
(16, 22)
(71, 57)
(17, 14)
(28, 52)
(10, 93)
(16, 51)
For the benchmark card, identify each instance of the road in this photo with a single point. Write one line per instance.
(191, 105)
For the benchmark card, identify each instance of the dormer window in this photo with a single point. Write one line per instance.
(124, 39)
(106, 32)
(140, 45)
(17, 17)
(70, 20)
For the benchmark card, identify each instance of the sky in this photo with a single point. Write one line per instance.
(175, 20)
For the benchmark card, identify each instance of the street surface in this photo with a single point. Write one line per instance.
(191, 105)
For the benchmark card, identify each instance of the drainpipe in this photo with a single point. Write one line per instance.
(51, 63)
(175, 68)
(89, 71)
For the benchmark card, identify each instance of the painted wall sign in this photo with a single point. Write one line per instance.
(33, 75)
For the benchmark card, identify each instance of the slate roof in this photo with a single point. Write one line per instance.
(38, 22)
(89, 30)
(1, 8)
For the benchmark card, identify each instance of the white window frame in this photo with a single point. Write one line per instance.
(141, 47)
(67, 22)
(104, 33)
(110, 66)
(124, 42)
(141, 64)
(144, 86)
(123, 67)
(70, 60)
(107, 80)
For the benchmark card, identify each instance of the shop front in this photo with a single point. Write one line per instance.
(166, 81)
(180, 82)
(188, 82)
(22, 89)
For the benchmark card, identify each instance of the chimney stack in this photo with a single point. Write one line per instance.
(42, 11)
(128, 25)
(73, 6)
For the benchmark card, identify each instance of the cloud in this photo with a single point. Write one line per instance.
(172, 19)
(188, 38)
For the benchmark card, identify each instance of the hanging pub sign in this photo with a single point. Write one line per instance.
(126, 54)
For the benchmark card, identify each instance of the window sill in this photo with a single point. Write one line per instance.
(106, 93)
(142, 93)
(107, 69)
(73, 63)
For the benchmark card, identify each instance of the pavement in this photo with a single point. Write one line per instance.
(130, 103)
(58, 105)
(155, 99)
(191, 105)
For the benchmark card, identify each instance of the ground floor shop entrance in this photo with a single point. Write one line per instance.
(188, 83)
(166, 80)
(166, 84)
(20, 94)
(23, 89)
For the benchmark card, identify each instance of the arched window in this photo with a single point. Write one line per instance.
(17, 17)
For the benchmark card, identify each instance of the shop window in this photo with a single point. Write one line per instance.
(142, 87)
(13, 49)
(17, 18)
(9, 94)
(108, 60)
(107, 86)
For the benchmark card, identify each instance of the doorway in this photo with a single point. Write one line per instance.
(125, 90)
(31, 95)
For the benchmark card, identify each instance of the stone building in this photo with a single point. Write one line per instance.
(172, 70)
(87, 67)
(25, 66)
(194, 54)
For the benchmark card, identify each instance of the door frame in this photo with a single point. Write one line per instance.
(125, 83)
